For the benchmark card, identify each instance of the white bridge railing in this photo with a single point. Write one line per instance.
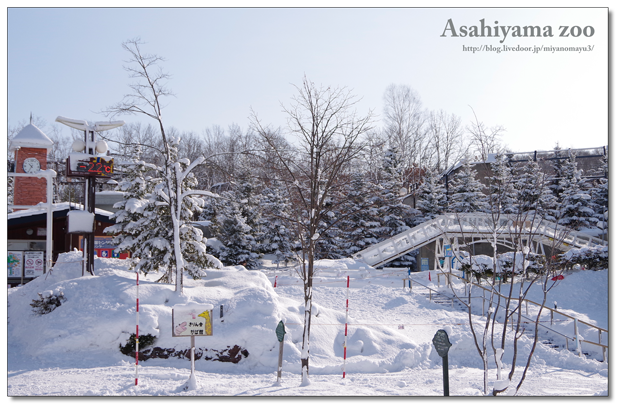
(473, 224)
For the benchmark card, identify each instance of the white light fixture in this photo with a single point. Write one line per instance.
(101, 146)
(78, 145)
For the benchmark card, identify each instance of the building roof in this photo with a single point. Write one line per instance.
(30, 136)
(59, 210)
(491, 158)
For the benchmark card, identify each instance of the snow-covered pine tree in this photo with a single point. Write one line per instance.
(331, 243)
(432, 196)
(502, 197)
(392, 211)
(465, 191)
(574, 207)
(275, 223)
(558, 161)
(600, 195)
(237, 222)
(534, 197)
(362, 227)
(150, 233)
(247, 192)
(237, 243)
(136, 187)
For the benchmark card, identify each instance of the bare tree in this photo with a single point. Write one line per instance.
(404, 120)
(485, 140)
(445, 140)
(327, 130)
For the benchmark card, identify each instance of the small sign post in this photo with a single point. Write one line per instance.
(442, 345)
(192, 320)
(280, 332)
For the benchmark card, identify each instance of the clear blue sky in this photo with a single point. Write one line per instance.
(224, 62)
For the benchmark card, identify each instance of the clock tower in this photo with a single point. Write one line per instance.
(31, 147)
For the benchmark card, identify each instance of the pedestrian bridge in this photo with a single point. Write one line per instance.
(508, 230)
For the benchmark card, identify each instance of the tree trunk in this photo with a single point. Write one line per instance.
(305, 348)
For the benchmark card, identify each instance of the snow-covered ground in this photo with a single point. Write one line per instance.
(74, 350)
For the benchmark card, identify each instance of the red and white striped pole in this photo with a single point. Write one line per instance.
(346, 327)
(137, 319)
(275, 281)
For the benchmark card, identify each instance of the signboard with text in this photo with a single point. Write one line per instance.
(34, 264)
(104, 248)
(81, 165)
(192, 320)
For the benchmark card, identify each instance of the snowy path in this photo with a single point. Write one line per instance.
(165, 381)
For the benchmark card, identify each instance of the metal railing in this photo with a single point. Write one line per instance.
(575, 338)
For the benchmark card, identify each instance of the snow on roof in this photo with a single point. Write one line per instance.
(491, 158)
(30, 136)
(56, 207)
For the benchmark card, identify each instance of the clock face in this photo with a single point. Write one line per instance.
(31, 165)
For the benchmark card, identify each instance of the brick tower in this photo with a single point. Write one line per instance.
(31, 147)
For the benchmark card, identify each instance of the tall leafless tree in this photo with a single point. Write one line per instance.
(485, 140)
(327, 131)
(404, 119)
(445, 140)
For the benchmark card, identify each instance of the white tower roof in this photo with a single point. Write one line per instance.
(31, 136)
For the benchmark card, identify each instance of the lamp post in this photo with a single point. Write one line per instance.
(88, 150)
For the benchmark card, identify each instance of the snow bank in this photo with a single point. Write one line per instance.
(390, 328)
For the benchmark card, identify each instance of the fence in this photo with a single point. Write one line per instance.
(577, 322)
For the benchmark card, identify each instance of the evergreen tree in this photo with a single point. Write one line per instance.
(533, 193)
(558, 165)
(136, 187)
(574, 211)
(237, 243)
(600, 195)
(277, 236)
(237, 223)
(392, 211)
(465, 191)
(502, 193)
(330, 244)
(362, 227)
(432, 196)
(147, 229)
